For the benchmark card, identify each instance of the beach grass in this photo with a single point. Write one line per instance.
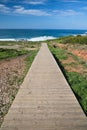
(79, 39)
(20, 43)
(73, 67)
(10, 53)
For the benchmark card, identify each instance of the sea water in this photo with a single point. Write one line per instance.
(37, 34)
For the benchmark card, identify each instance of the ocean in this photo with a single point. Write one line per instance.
(37, 34)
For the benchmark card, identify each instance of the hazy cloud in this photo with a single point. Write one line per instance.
(70, 0)
(4, 9)
(66, 12)
(22, 10)
(34, 2)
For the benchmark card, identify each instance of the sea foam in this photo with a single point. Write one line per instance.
(8, 39)
(42, 38)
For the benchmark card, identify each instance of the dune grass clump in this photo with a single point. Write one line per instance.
(74, 39)
(9, 53)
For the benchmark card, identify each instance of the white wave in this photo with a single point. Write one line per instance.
(42, 38)
(83, 34)
(7, 39)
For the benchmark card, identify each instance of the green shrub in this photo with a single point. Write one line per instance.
(8, 53)
(77, 81)
(79, 86)
(59, 52)
(74, 39)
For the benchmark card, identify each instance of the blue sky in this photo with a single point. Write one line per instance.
(43, 14)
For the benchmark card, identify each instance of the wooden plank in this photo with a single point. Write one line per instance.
(45, 100)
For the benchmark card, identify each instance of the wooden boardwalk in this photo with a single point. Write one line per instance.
(45, 100)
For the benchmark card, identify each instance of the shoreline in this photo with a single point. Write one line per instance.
(35, 39)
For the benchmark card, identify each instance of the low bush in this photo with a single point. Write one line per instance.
(8, 53)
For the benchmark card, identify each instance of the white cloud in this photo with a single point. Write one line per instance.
(66, 12)
(22, 10)
(70, 0)
(4, 9)
(34, 2)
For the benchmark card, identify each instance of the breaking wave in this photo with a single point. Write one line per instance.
(42, 38)
(8, 39)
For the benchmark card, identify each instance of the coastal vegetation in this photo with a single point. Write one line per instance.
(16, 58)
(71, 55)
(15, 61)
(9, 53)
(79, 39)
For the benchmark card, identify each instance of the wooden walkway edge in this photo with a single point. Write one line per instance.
(45, 100)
